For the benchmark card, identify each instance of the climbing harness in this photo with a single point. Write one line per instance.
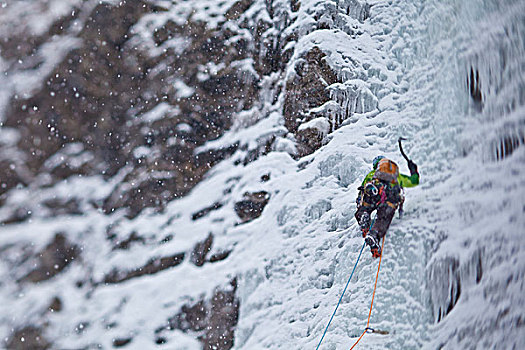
(341, 298)
(374, 192)
(371, 189)
(373, 296)
(382, 195)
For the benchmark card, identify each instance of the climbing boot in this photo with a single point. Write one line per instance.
(376, 252)
(375, 249)
(364, 223)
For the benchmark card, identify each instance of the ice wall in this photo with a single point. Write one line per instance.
(474, 270)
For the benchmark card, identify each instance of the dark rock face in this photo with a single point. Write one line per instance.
(198, 256)
(219, 256)
(203, 212)
(121, 342)
(191, 317)
(252, 205)
(118, 107)
(223, 318)
(29, 337)
(126, 243)
(59, 207)
(53, 259)
(55, 305)
(238, 9)
(19, 215)
(96, 97)
(152, 267)
(83, 98)
(11, 175)
(308, 140)
(214, 319)
(201, 250)
(306, 90)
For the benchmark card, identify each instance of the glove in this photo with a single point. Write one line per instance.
(412, 167)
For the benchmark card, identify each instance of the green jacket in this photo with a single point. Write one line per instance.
(402, 180)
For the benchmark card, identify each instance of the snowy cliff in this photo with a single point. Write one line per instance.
(182, 174)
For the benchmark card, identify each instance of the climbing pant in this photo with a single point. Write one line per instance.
(385, 214)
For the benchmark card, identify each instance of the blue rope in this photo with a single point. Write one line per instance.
(341, 298)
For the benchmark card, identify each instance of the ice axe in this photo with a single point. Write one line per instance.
(411, 166)
(401, 149)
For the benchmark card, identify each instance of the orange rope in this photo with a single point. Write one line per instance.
(373, 295)
(358, 340)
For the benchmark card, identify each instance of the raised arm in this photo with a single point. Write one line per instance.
(412, 180)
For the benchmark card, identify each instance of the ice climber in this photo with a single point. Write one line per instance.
(381, 190)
